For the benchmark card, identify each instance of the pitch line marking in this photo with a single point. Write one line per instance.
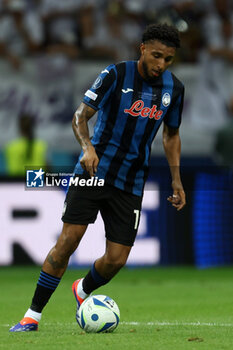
(176, 323)
(155, 323)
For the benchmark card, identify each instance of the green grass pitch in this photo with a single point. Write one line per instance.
(161, 308)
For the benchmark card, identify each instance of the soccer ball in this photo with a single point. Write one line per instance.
(98, 314)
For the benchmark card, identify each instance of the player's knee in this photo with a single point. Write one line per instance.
(115, 262)
(69, 239)
(66, 244)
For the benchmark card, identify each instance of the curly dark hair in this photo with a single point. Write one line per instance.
(166, 34)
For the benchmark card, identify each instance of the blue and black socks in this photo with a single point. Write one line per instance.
(93, 280)
(46, 285)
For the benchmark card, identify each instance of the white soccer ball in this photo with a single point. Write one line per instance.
(98, 314)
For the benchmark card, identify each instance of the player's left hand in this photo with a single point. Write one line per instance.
(177, 200)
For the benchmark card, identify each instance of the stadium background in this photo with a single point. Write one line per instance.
(51, 52)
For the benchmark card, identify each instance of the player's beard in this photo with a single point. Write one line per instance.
(148, 78)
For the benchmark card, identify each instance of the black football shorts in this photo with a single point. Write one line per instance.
(120, 210)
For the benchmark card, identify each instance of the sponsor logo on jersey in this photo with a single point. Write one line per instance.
(137, 109)
(127, 90)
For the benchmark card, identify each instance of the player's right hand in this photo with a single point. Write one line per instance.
(90, 161)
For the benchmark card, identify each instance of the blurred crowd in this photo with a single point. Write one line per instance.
(111, 30)
(106, 28)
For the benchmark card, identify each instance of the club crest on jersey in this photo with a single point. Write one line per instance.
(166, 99)
(138, 109)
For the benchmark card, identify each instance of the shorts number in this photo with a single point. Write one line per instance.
(136, 212)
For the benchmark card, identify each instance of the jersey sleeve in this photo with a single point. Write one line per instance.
(174, 113)
(100, 91)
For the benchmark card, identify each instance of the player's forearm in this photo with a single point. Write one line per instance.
(172, 147)
(80, 127)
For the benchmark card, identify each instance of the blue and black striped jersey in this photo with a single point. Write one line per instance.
(130, 114)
